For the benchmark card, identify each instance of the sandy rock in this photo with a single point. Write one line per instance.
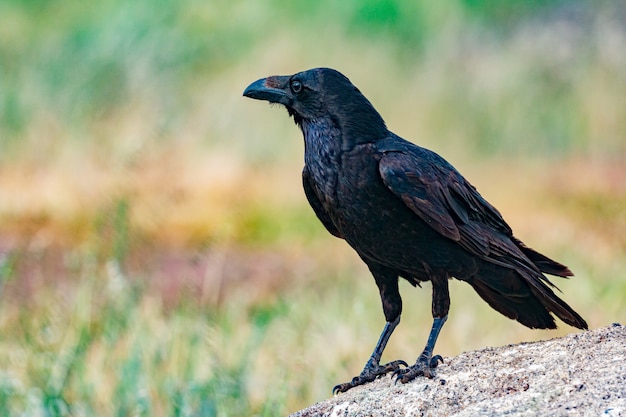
(579, 374)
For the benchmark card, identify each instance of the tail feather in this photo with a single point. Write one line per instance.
(522, 296)
(554, 304)
(527, 310)
(545, 264)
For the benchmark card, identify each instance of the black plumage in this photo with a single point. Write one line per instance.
(408, 213)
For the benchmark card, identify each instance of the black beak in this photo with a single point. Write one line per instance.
(273, 89)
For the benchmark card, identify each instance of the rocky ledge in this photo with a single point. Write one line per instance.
(579, 374)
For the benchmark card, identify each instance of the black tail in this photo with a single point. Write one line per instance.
(545, 264)
(523, 296)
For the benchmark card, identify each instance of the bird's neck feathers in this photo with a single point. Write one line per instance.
(363, 124)
(357, 118)
(349, 123)
(322, 137)
(296, 117)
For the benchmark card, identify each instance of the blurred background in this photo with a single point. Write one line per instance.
(157, 253)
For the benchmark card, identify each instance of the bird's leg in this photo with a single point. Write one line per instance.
(373, 369)
(426, 362)
(387, 281)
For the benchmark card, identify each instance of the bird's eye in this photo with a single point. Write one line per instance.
(296, 86)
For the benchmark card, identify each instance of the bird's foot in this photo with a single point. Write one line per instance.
(371, 371)
(424, 366)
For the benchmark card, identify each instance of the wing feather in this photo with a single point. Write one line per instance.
(446, 201)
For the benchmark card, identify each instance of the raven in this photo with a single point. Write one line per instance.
(407, 213)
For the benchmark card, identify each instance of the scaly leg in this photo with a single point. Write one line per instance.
(387, 281)
(373, 369)
(426, 362)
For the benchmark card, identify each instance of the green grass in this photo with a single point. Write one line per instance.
(100, 342)
(157, 255)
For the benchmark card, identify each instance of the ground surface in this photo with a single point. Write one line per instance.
(579, 374)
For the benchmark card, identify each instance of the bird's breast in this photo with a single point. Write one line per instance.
(322, 156)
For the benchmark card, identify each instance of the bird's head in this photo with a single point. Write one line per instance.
(321, 94)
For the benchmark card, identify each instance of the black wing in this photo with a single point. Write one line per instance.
(316, 204)
(445, 200)
(440, 196)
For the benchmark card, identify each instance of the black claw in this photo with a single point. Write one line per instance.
(399, 373)
(434, 361)
(423, 366)
(341, 388)
(393, 366)
(370, 373)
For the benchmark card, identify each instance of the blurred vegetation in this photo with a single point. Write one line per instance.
(157, 255)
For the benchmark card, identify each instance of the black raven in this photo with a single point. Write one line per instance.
(408, 213)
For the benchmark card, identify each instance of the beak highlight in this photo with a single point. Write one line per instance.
(272, 89)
